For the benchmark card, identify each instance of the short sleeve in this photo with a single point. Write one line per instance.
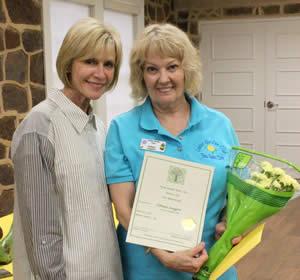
(117, 166)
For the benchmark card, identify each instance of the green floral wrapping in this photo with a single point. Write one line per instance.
(6, 248)
(248, 204)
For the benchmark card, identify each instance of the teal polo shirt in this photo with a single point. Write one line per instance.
(207, 139)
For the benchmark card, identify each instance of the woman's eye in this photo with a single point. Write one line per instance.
(91, 61)
(173, 67)
(109, 64)
(151, 69)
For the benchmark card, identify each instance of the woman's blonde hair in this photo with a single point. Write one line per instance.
(165, 40)
(86, 39)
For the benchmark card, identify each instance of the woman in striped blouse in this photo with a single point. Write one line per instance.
(63, 226)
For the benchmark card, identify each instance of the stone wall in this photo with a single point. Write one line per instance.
(159, 11)
(186, 13)
(21, 79)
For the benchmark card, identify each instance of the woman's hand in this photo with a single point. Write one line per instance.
(186, 261)
(220, 228)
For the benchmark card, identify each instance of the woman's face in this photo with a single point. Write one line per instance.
(164, 80)
(91, 77)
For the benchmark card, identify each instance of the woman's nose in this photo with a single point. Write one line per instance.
(163, 76)
(99, 72)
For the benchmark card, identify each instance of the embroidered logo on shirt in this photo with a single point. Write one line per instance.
(212, 150)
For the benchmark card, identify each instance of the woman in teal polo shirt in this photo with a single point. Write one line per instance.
(165, 74)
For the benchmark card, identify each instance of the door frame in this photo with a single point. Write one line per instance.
(97, 7)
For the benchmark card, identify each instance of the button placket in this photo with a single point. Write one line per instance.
(180, 147)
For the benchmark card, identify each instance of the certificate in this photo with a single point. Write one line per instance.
(170, 203)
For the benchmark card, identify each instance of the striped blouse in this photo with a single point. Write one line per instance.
(63, 226)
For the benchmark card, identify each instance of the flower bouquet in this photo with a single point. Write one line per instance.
(259, 185)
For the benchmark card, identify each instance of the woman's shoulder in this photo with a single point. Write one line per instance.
(39, 118)
(35, 124)
(37, 121)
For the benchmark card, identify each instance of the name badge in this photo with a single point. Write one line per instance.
(153, 145)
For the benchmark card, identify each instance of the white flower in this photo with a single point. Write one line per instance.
(276, 185)
(278, 171)
(266, 183)
(285, 180)
(272, 178)
(258, 176)
(295, 184)
(289, 182)
(266, 166)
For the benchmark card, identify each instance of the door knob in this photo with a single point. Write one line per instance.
(271, 105)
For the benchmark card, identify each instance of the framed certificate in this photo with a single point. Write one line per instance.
(170, 203)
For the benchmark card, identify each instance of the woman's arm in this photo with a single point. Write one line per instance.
(122, 196)
(38, 206)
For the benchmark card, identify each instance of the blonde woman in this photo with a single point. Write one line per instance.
(63, 226)
(166, 75)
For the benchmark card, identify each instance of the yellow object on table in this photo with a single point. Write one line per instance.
(115, 216)
(5, 223)
(251, 240)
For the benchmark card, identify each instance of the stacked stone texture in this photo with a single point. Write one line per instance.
(159, 11)
(21, 79)
(186, 13)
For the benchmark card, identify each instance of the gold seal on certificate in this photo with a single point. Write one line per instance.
(170, 203)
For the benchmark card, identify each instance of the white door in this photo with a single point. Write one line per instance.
(283, 89)
(233, 68)
(251, 72)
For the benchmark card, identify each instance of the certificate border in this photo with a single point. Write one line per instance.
(147, 157)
